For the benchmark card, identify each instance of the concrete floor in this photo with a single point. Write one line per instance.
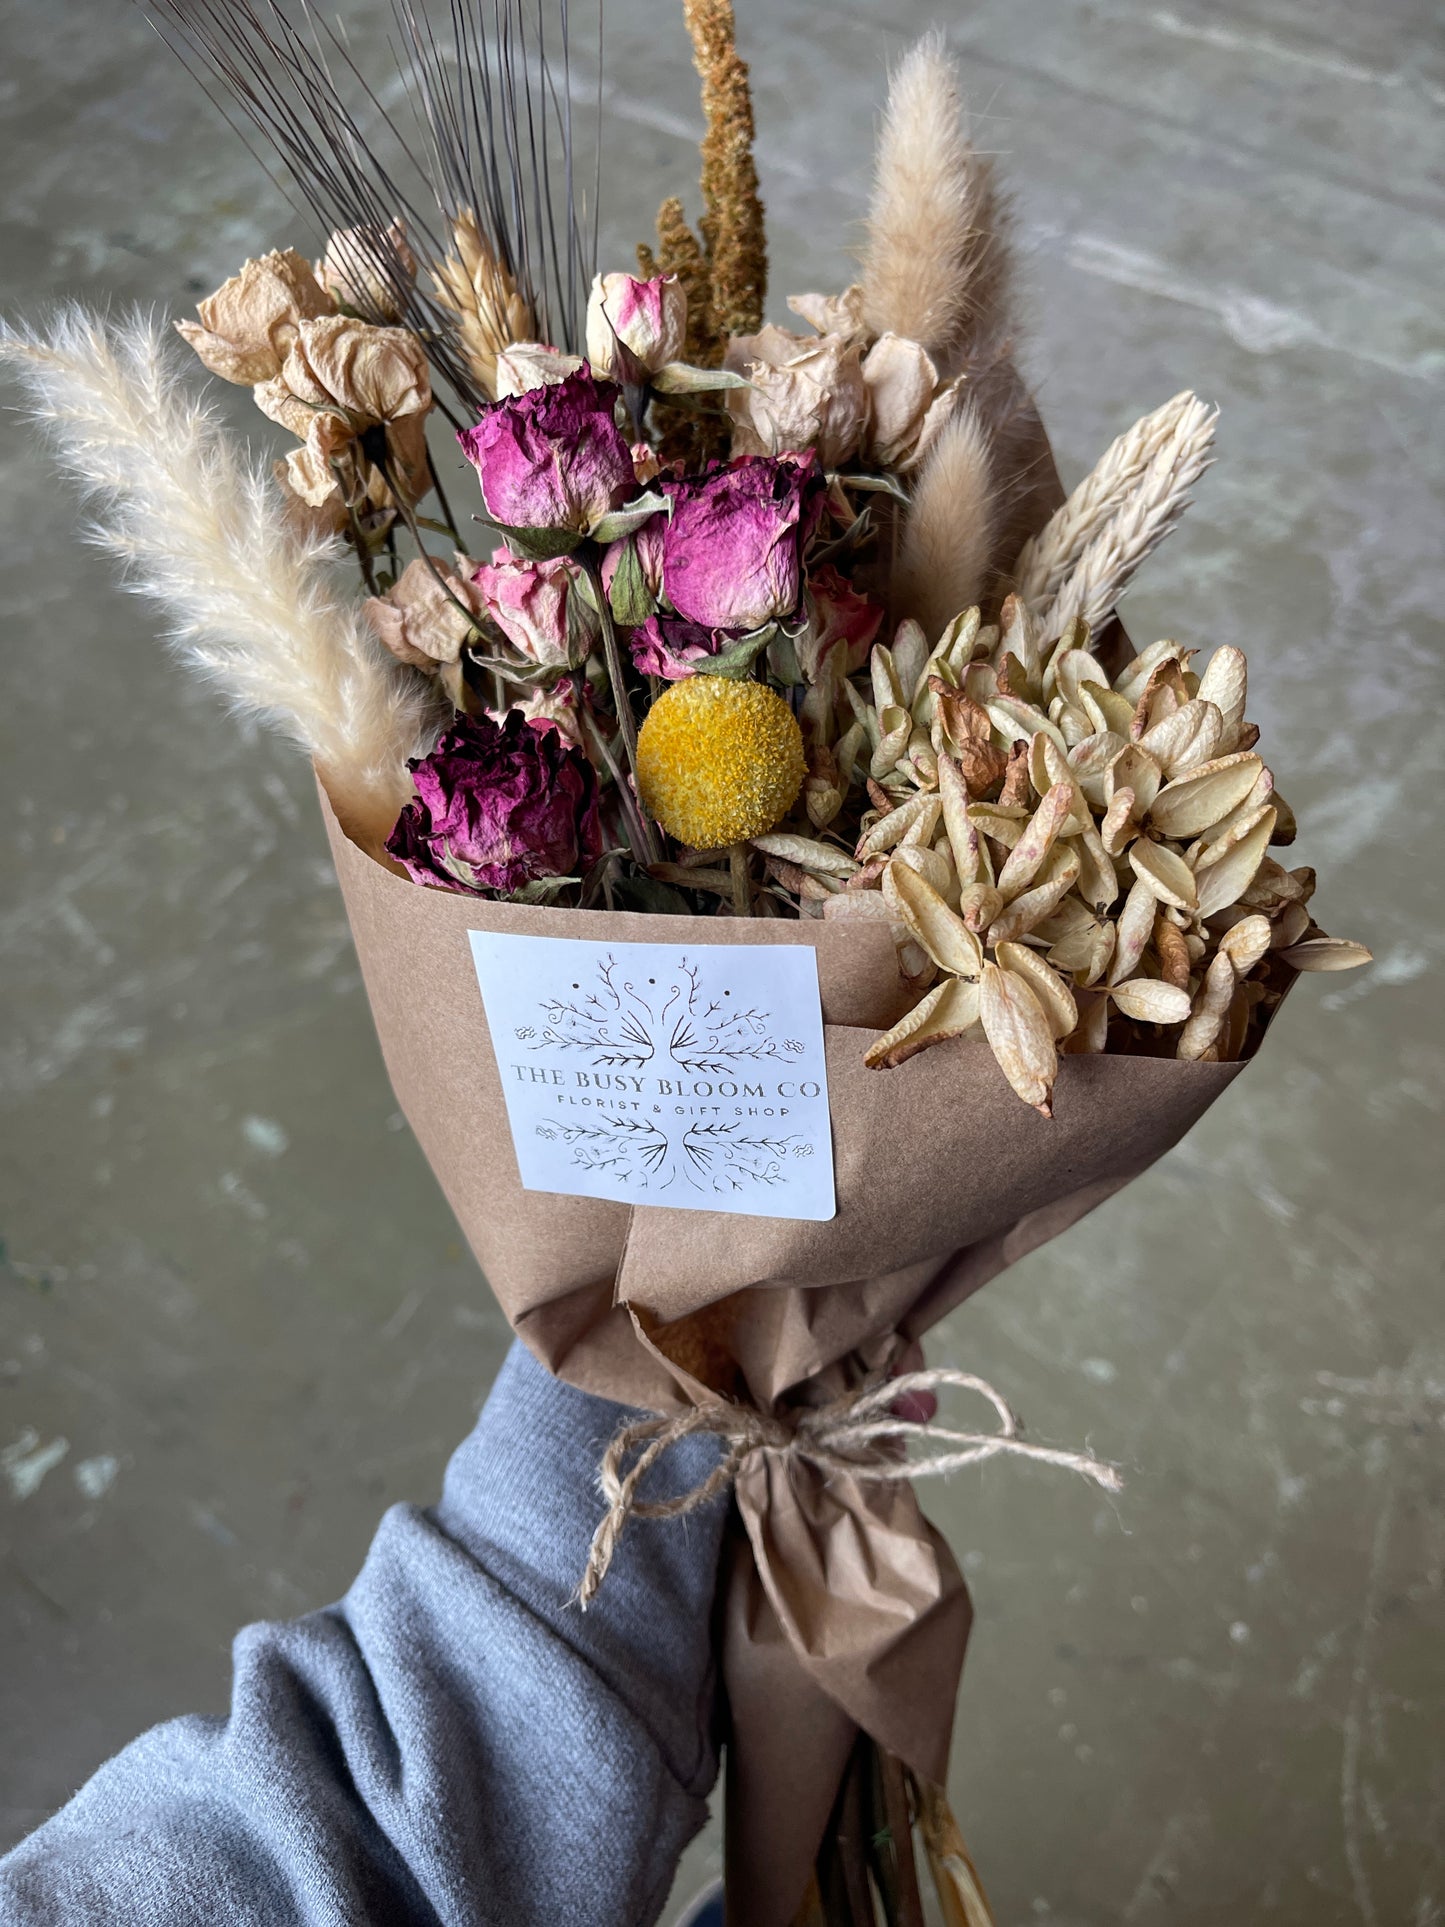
(235, 1321)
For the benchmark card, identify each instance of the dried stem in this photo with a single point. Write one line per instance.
(742, 892)
(907, 1899)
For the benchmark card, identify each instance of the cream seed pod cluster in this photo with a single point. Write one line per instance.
(1069, 863)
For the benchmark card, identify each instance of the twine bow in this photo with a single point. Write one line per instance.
(845, 1436)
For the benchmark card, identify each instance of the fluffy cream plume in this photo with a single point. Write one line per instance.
(947, 531)
(1182, 424)
(1091, 547)
(253, 603)
(936, 265)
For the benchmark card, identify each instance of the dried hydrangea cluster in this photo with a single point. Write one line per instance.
(1067, 862)
(770, 621)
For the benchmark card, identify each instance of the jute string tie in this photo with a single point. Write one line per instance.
(848, 1436)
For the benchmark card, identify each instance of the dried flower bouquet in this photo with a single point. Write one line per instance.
(782, 635)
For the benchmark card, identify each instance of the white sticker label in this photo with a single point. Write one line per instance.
(654, 1074)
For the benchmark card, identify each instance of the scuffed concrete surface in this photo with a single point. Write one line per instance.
(235, 1320)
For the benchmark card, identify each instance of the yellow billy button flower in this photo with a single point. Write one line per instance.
(719, 760)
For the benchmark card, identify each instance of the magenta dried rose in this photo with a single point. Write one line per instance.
(732, 553)
(498, 807)
(672, 648)
(539, 607)
(553, 458)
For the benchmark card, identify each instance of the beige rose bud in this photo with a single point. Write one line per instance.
(806, 392)
(249, 324)
(418, 619)
(635, 327)
(525, 365)
(834, 314)
(907, 404)
(369, 269)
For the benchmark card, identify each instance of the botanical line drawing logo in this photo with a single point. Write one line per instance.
(668, 1025)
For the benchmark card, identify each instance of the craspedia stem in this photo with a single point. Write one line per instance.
(742, 882)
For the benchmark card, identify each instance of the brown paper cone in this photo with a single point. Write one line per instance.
(850, 1611)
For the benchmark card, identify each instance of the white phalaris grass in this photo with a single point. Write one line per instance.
(1068, 863)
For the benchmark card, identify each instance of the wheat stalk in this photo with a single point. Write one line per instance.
(1127, 516)
(254, 604)
(1047, 558)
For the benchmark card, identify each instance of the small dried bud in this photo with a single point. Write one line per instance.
(635, 327)
(369, 269)
(908, 404)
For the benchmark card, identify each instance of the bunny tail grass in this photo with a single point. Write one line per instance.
(936, 265)
(947, 532)
(201, 529)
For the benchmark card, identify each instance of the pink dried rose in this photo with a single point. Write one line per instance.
(370, 269)
(499, 807)
(249, 324)
(805, 391)
(635, 327)
(835, 314)
(672, 648)
(540, 607)
(647, 545)
(840, 629)
(419, 619)
(733, 547)
(553, 459)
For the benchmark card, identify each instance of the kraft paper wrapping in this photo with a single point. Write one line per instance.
(843, 1607)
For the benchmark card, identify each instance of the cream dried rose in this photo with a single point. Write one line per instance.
(341, 378)
(418, 618)
(835, 314)
(635, 327)
(369, 269)
(525, 365)
(907, 402)
(806, 391)
(249, 325)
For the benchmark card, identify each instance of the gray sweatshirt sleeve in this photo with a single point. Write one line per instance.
(454, 1742)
